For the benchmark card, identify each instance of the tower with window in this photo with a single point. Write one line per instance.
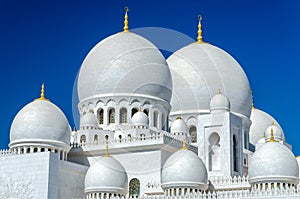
(220, 141)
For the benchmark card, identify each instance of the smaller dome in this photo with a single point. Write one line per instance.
(219, 103)
(184, 169)
(260, 122)
(274, 131)
(273, 162)
(179, 126)
(40, 122)
(140, 119)
(89, 120)
(106, 175)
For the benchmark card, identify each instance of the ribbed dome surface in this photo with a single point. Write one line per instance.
(260, 122)
(106, 175)
(184, 169)
(40, 120)
(273, 162)
(89, 120)
(125, 64)
(199, 71)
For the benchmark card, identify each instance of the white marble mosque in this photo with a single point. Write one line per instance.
(183, 127)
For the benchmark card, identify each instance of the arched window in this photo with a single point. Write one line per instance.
(100, 115)
(146, 111)
(111, 116)
(123, 115)
(163, 122)
(214, 152)
(82, 139)
(134, 188)
(193, 134)
(96, 138)
(235, 155)
(133, 111)
(155, 118)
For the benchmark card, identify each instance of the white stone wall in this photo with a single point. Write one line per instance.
(31, 171)
(70, 180)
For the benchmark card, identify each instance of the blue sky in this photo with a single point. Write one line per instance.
(46, 41)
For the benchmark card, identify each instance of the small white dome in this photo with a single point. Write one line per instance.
(140, 119)
(106, 175)
(117, 66)
(184, 169)
(40, 122)
(179, 126)
(89, 120)
(275, 131)
(199, 70)
(273, 162)
(219, 103)
(260, 122)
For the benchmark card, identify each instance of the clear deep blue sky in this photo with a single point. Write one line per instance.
(46, 41)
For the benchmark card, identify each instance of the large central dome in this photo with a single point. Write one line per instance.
(125, 64)
(199, 70)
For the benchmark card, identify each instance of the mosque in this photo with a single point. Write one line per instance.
(151, 128)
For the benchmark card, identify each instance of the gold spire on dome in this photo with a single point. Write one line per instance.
(42, 97)
(272, 139)
(140, 109)
(125, 29)
(184, 147)
(219, 91)
(199, 38)
(179, 117)
(273, 123)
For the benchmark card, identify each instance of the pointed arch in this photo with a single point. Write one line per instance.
(134, 188)
(123, 115)
(235, 154)
(193, 133)
(111, 116)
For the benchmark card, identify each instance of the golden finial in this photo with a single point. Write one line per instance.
(179, 117)
(272, 139)
(140, 109)
(273, 123)
(199, 38)
(42, 97)
(219, 91)
(184, 147)
(74, 129)
(125, 29)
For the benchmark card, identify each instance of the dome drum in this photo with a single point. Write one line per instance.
(124, 108)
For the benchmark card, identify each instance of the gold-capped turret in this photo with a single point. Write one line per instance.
(125, 29)
(42, 97)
